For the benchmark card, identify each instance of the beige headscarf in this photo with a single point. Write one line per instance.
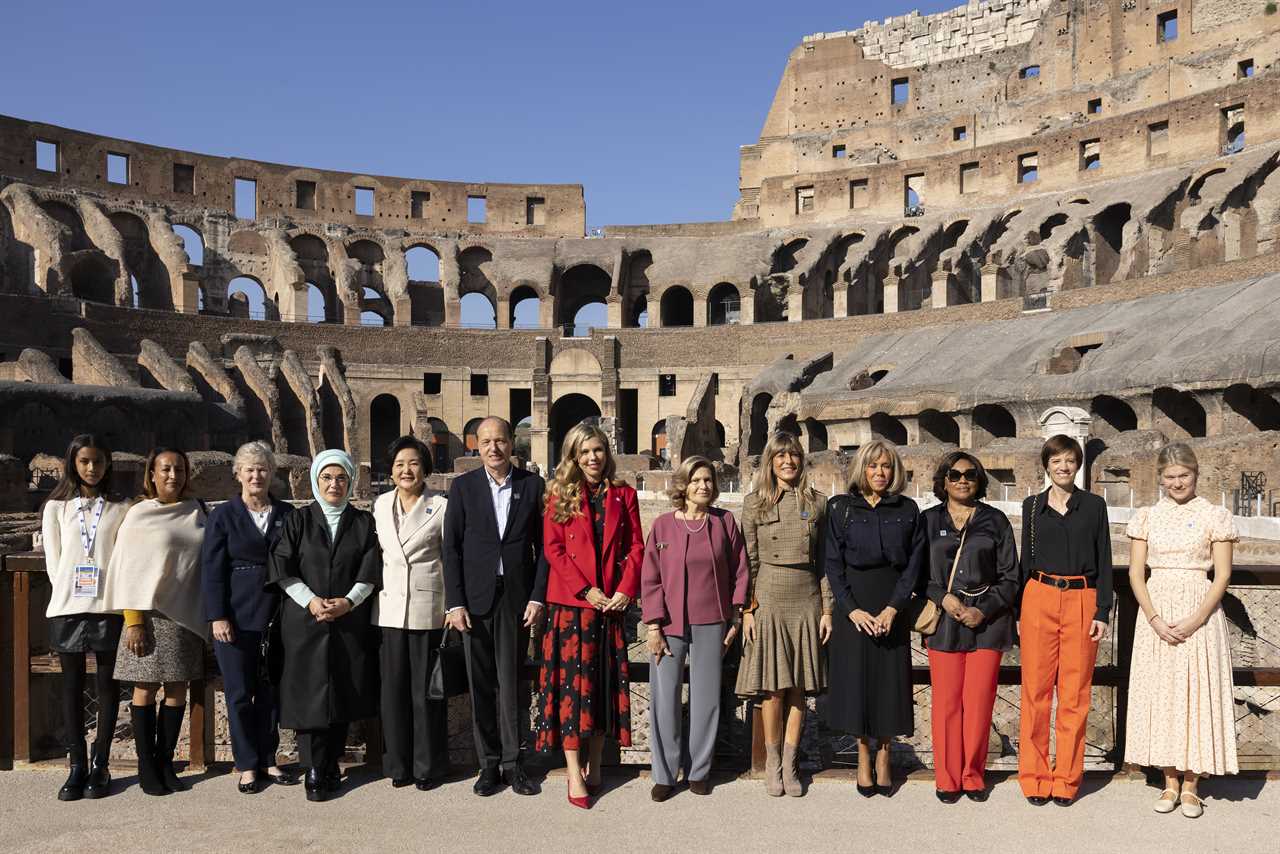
(155, 565)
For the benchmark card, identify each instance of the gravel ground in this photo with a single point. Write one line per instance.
(1112, 815)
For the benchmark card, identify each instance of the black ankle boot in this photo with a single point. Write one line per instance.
(73, 789)
(144, 743)
(99, 785)
(167, 743)
(315, 785)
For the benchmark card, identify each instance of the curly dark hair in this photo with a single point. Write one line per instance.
(940, 474)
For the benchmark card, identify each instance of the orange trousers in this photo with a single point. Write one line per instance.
(964, 694)
(1056, 653)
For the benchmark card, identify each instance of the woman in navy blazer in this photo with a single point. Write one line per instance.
(240, 608)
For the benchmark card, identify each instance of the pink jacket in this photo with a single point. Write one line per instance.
(662, 575)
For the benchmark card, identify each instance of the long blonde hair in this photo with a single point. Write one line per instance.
(565, 488)
(765, 483)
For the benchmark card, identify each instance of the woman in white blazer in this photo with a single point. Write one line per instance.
(410, 612)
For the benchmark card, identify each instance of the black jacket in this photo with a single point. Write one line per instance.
(233, 565)
(472, 548)
(988, 570)
(330, 669)
(862, 537)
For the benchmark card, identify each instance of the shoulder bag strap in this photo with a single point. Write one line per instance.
(955, 563)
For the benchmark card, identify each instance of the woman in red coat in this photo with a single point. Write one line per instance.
(594, 546)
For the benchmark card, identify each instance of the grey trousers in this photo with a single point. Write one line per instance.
(701, 646)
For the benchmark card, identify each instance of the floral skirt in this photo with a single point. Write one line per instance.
(584, 689)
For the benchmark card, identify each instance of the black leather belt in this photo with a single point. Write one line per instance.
(1063, 583)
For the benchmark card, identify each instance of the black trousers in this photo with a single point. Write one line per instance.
(322, 748)
(253, 712)
(415, 730)
(495, 649)
(108, 694)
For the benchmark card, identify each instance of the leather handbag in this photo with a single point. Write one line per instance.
(930, 615)
(449, 674)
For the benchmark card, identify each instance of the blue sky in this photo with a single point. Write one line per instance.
(644, 104)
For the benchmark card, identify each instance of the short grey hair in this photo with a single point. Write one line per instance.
(251, 452)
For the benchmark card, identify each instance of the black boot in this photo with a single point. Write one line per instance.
(167, 743)
(144, 742)
(315, 785)
(99, 784)
(73, 789)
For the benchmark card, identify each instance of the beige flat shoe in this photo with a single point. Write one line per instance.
(1193, 808)
(1167, 805)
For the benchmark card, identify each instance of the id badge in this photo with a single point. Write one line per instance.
(86, 581)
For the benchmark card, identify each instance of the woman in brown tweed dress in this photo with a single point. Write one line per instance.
(788, 619)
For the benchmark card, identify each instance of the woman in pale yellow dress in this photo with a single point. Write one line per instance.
(1181, 717)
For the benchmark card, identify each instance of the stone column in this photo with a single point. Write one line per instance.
(502, 314)
(891, 285)
(987, 282)
(186, 293)
(795, 303)
(699, 312)
(613, 312)
(402, 311)
(941, 290)
(1070, 421)
(840, 299)
(747, 308)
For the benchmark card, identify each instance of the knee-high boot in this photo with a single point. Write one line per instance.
(167, 743)
(144, 742)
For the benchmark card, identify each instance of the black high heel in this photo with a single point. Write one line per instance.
(867, 791)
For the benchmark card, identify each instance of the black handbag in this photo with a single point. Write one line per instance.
(449, 673)
(271, 651)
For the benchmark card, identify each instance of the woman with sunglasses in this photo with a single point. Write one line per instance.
(973, 579)
(327, 562)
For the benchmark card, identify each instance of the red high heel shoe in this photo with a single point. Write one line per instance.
(581, 803)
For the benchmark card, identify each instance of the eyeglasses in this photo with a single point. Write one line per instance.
(339, 479)
(957, 475)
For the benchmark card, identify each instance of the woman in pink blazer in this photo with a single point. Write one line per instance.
(693, 586)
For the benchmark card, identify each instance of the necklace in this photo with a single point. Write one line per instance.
(958, 521)
(696, 530)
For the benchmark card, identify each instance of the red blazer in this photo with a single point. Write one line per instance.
(571, 552)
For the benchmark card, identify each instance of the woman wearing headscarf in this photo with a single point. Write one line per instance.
(327, 562)
(154, 578)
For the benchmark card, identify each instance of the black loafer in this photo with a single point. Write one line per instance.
(401, 782)
(978, 795)
(700, 787)
(1037, 800)
(1062, 802)
(284, 778)
(947, 797)
(488, 783)
(660, 792)
(250, 788)
(425, 784)
(520, 782)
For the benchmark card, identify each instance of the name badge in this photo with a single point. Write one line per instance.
(515, 496)
(660, 546)
(942, 533)
(804, 514)
(85, 585)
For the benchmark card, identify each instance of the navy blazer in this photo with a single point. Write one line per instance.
(233, 564)
(862, 537)
(472, 546)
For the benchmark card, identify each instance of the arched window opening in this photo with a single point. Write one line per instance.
(992, 421)
(759, 423)
(1179, 414)
(885, 426)
(817, 432)
(1111, 415)
(478, 312)
(246, 297)
(724, 306)
(526, 308)
(384, 428)
(192, 242)
(423, 264)
(939, 426)
(677, 306)
(658, 441)
(566, 413)
(579, 287)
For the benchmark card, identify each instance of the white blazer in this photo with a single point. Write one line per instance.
(412, 594)
(63, 549)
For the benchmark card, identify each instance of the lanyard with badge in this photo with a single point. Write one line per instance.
(87, 572)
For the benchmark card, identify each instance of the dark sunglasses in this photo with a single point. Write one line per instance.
(957, 475)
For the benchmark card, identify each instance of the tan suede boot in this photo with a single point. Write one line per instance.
(790, 774)
(773, 770)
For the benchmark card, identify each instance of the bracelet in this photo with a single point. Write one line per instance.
(1153, 618)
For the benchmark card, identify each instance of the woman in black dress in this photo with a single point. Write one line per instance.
(327, 562)
(874, 557)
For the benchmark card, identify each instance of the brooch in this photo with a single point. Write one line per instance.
(660, 546)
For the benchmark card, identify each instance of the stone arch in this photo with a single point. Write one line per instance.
(1051, 223)
(769, 301)
(567, 412)
(69, 217)
(192, 242)
(474, 265)
(1178, 414)
(442, 445)
(939, 426)
(123, 431)
(422, 262)
(580, 286)
(723, 305)
(1111, 415)
(247, 297)
(247, 242)
(887, 427)
(658, 440)
(525, 307)
(140, 258)
(816, 432)
(676, 306)
(635, 287)
(1197, 183)
(92, 278)
(1256, 406)
(478, 311)
(1109, 226)
(992, 421)
(784, 257)
(384, 428)
(759, 422)
(470, 443)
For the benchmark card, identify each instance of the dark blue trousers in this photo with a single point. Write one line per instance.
(253, 711)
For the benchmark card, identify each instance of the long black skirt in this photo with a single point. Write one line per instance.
(869, 692)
